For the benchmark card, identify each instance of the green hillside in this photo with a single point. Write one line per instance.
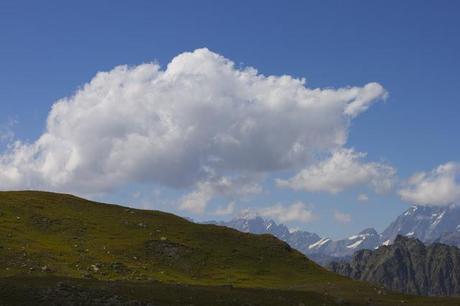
(46, 238)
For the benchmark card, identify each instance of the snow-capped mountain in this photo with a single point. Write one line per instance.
(423, 222)
(366, 239)
(428, 224)
(299, 240)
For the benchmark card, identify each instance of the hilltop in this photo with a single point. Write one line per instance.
(54, 243)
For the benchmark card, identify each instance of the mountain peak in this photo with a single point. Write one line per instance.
(424, 222)
(401, 239)
(368, 231)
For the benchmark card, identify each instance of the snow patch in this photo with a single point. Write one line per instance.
(319, 243)
(362, 236)
(387, 242)
(354, 245)
(439, 218)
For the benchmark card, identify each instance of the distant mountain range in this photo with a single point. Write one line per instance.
(429, 224)
(424, 222)
(407, 266)
(299, 240)
(321, 250)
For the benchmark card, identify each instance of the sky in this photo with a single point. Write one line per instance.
(327, 116)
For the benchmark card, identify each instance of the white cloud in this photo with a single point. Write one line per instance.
(343, 169)
(439, 187)
(226, 210)
(342, 217)
(197, 200)
(362, 197)
(295, 212)
(6, 131)
(364, 99)
(145, 124)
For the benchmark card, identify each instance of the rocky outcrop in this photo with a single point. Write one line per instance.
(407, 266)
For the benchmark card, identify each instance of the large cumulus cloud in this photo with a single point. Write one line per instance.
(199, 117)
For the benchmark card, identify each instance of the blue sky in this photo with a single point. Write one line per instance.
(50, 50)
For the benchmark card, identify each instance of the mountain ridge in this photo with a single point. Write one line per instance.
(430, 224)
(424, 222)
(321, 250)
(408, 266)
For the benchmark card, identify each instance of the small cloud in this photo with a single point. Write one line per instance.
(344, 169)
(342, 217)
(6, 131)
(197, 200)
(226, 210)
(439, 187)
(295, 212)
(227, 187)
(362, 197)
(365, 99)
(136, 195)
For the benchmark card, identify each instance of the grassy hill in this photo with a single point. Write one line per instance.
(60, 241)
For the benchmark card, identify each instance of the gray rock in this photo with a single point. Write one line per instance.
(407, 266)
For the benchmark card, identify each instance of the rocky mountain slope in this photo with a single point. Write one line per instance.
(366, 239)
(426, 223)
(58, 249)
(449, 238)
(407, 266)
